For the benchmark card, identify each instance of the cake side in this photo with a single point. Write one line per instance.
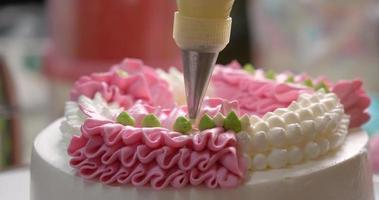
(346, 170)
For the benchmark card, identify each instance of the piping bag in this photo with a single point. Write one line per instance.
(201, 30)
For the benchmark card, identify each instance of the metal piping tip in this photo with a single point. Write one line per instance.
(198, 68)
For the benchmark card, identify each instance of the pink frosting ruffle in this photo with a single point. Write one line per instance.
(140, 83)
(255, 94)
(354, 99)
(156, 157)
(258, 95)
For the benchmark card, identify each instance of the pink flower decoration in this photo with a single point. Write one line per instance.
(140, 82)
(355, 101)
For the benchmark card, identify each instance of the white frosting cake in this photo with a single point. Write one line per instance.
(127, 135)
(341, 175)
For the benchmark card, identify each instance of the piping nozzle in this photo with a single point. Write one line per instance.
(201, 30)
(197, 72)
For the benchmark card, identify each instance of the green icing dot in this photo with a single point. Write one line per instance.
(232, 122)
(122, 73)
(150, 121)
(249, 68)
(270, 74)
(322, 86)
(206, 122)
(125, 119)
(308, 83)
(290, 79)
(182, 125)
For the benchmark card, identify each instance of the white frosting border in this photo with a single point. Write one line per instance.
(74, 116)
(310, 127)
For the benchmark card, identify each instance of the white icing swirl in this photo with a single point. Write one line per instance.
(310, 127)
(75, 117)
(176, 83)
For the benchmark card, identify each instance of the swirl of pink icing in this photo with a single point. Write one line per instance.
(354, 99)
(156, 157)
(255, 94)
(140, 83)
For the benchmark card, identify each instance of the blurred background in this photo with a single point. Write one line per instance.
(46, 45)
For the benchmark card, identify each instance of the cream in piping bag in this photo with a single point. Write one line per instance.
(201, 30)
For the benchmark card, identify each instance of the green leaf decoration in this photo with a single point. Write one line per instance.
(290, 79)
(206, 122)
(270, 74)
(249, 68)
(232, 122)
(322, 86)
(151, 120)
(309, 83)
(122, 73)
(125, 119)
(182, 125)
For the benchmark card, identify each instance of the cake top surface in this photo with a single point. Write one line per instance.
(130, 124)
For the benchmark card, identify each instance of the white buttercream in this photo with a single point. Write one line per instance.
(245, 123)
(244, 142)
(254, 119)
(259, 142)
(278, 158)
(280, 111)
(295, 155)
(295, 133)
(290, 117)
(259, 162)
(324, 146)
(268, 115)
(312, 150)
(261, 126)
(277, 137)
(310, 127)
(293, 106)
(176, 84)
(276, 121)
(74, 116)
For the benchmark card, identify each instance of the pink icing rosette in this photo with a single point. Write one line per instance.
(125, 83)
(354, 99)
(255, 94)
(157, 157)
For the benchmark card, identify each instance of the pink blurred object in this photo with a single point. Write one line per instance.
(374, 153)
(355, 100)
(90, 35)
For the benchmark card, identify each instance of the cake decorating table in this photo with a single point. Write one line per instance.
(14, 185)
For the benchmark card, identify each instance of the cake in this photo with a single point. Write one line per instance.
(259, 135)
